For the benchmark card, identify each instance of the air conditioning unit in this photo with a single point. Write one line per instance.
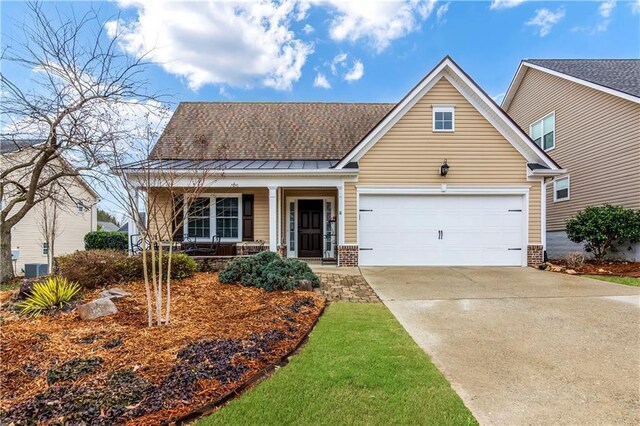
(33, 270)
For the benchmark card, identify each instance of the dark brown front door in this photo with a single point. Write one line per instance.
(310, 228)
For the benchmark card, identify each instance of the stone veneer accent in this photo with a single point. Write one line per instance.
(535, 255)
(282, 250)
(348, 255)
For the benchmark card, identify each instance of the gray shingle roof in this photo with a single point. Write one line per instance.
(9, 145)
(618, 74)
(266, 130)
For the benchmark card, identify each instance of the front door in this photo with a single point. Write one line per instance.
(310, 228)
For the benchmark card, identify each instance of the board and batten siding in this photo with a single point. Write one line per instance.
(410, 154)
(597, 141)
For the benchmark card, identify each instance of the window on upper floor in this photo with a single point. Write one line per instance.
(443, 118)
(543, 132)
(80, 206)
(45, 248)
(561, 189)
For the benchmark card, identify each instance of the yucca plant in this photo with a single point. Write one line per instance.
(54, 292)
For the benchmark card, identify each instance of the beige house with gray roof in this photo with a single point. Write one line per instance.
(585, 113)
(443, 177)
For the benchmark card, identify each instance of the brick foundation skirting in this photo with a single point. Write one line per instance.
(535, 255)
(348, 255)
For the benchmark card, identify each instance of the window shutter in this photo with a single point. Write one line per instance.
(247, 217)
(178, 218)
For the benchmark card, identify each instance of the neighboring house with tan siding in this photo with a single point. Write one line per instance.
(443, 177)
(76, 215)
(585, 113)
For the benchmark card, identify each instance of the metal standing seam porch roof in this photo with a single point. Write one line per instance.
(233, 165)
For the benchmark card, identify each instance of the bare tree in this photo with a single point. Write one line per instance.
(155, 195)
(50, 226)
(80, 79)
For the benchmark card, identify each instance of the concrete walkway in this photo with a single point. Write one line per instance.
(522, 346)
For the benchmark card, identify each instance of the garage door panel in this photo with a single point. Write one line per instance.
(441, 230)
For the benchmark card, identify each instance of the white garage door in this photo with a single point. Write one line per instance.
(441, 230)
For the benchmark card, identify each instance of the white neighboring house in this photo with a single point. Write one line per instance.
(76, 215)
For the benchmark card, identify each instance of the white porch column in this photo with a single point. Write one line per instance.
(273, 218)
(132, 226)
(341, 238)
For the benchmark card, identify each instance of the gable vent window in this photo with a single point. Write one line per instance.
(443, 118)
(543, 132)
(561, 189)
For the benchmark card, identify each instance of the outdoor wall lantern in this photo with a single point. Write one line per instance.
(444, 169)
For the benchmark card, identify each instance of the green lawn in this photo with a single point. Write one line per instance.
(358, 367)
(618, 280)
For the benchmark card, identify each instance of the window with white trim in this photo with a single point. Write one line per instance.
(199, 218)
(443, 119)
(80, 206)
(561, 189)
(227, 217)
(209, 216)
(45, 248)
(543, 132)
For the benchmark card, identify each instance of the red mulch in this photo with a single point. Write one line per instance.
(202, 309)
(621, 269)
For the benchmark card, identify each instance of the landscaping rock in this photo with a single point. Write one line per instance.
(571, 272)
(304, 285)
(26, 286)
(97, 308)
(114, 293)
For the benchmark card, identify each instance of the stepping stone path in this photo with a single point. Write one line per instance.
(352, 288)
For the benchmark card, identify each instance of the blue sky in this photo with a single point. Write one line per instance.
(333, 50)
(364, 51)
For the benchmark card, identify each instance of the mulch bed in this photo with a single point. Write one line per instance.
(115, 369)
(620, 268)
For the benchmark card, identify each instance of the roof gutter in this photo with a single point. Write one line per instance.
(547, 172)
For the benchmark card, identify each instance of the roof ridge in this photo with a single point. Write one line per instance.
(287, 102)
(581, 59)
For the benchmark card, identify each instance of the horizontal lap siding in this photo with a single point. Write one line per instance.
(597, 141)
(411, 153)
(260, 207)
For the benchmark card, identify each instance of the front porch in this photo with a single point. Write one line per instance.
(226, 222)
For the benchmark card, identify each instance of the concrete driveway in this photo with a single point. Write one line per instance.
(522, 346)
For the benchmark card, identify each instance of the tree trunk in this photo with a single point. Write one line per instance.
(6, 264)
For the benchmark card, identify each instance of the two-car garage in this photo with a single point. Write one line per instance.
(442, 229)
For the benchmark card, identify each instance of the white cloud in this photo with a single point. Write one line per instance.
(635, 7)
(239, 44)
(308, 29)
(321, 81)
(338, 61)
(505, 4)
(606, 8)
(376, 22)
(356, 72)
(498, 98)
(442, 10)
(545, 19)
